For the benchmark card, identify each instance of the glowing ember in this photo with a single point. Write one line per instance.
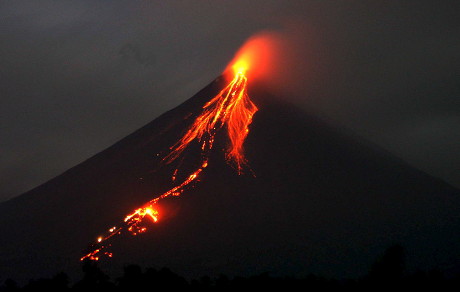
(232, 109)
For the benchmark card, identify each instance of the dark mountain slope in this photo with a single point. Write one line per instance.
(319, 201)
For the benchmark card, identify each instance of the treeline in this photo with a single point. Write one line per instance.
(387, 272)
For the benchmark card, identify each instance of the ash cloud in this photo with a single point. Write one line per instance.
(386, 71)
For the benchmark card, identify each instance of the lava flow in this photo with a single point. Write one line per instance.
(230, 109)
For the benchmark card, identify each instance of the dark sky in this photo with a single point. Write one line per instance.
(76, 76)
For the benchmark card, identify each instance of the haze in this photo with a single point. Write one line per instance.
(78, 76)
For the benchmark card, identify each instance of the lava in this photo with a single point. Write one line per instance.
(230, 109)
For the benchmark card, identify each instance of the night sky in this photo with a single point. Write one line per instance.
(77, 76)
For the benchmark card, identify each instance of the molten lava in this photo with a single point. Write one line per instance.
(230, 109)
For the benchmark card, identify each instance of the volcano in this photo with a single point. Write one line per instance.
(311, 199)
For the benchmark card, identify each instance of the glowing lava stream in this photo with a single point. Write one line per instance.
(231, 108)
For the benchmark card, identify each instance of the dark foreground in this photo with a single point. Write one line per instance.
(387, 272)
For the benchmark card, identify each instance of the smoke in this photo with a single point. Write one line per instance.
(384, 71)
(287, 61)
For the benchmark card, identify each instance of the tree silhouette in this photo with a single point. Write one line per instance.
(389, 269)
(9, 285)
(93, 277)
(132, 278)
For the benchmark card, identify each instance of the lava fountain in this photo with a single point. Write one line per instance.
(230, 110)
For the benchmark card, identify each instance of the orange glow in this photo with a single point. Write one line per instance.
(230, 109)
(256, 58)
(240, 67)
